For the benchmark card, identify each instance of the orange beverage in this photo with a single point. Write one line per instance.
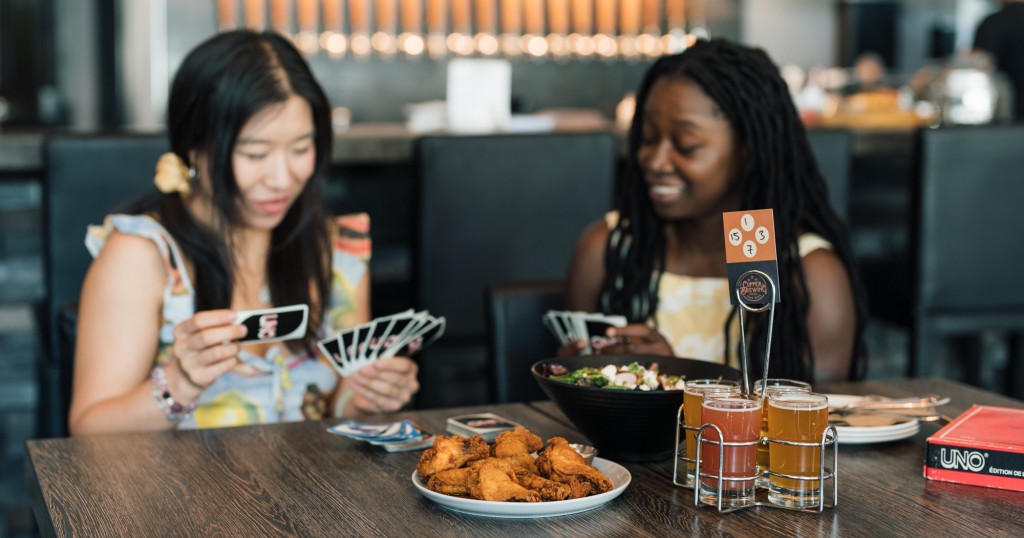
(693, 396)
(799, 417)
(740, 420)
(774, 386)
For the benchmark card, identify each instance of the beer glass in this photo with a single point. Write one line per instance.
(739, 420)
(796, 417)
(774, 386)
(693, 394)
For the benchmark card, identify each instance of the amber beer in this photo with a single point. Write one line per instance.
(774, 386)
(796, 417)
(693, 398)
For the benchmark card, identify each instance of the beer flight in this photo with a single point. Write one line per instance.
(772, 439)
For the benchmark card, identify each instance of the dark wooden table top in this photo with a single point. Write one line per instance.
(298, 479)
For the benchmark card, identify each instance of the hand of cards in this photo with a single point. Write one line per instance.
(403, 333)
(572, 327)
(393, 436)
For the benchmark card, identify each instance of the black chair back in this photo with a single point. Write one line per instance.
(517, 337)
(832, 149)
(86, 178)
(496, 209)
(967, 256)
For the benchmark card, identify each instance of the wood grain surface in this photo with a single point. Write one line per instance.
(299, 480)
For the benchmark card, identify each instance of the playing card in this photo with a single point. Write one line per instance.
(555, 327)
(486, 425)
(564, 320)
(596, 327)
(426, 335)
(332, 350)
(273, 324)
(348, 341)
(383, 329)
(401, 326)
(419, 320)
(365, 341)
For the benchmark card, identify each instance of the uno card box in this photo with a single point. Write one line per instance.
(982, 447)
(486, 425)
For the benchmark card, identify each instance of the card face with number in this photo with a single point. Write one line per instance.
(751, 257)
(273, 324)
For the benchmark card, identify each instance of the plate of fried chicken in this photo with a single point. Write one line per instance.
(512, 480)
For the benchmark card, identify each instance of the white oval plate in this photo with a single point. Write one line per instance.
(618, 474)
(851, 435)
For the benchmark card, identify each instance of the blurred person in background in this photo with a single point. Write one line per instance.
(1001, 34)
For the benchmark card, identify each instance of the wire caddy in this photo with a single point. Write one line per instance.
(829, 440)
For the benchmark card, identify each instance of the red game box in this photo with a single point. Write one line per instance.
(984, 446)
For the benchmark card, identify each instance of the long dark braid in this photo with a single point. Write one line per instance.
(780, 173)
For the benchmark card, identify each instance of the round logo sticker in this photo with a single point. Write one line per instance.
(753, 288)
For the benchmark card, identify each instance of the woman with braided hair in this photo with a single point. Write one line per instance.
(716, 131)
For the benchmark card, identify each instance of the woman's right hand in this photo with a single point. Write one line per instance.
(205, 347)
(572, 349)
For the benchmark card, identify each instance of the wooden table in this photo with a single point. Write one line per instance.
(297, 479)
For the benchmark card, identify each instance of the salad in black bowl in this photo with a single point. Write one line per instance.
(625, 404)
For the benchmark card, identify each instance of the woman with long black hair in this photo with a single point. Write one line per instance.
(715, 130)
(237, 225)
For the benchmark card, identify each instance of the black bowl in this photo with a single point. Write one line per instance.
(626, 425)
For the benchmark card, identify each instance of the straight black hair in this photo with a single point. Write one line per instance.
(780, 173)
(221, 85)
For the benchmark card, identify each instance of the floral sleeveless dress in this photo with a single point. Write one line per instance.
(288, 387)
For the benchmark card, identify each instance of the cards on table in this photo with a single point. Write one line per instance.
(273, 324)
(398, 436)
(589, 327)
(403, 333)
(486, 425)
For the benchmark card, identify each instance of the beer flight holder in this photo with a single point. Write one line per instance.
(829, 438)
(828, 474)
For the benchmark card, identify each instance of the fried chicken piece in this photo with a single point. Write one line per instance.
(518, 442)
(450, 452)
(523, 463)
(450, 482)
(494, 481)
(561, 463)
(549, 490)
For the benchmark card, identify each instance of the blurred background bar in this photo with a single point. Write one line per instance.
(880, 84)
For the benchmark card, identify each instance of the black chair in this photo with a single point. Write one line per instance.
(832, 150)
(968, 256)
(85, 178)
(495, 209)
(517, 338)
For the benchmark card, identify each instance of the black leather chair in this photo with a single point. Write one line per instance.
(85, 178)
(495, 209)
(968, 255)
(517, 337)
(832, 149)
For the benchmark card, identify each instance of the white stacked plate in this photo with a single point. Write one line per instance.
(851, 435)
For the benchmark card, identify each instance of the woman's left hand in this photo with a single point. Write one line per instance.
(384, 386)
(637, 339)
